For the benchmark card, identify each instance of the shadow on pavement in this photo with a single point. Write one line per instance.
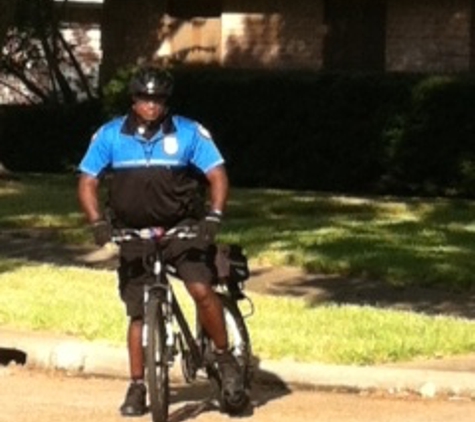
(8, 355)
(200, 397)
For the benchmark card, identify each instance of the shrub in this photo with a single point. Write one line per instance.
(373, 133)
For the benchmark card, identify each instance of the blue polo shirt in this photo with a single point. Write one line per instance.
(157, 181)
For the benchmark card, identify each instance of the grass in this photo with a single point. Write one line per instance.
(82, 302)
(404, 241)
(401, 240)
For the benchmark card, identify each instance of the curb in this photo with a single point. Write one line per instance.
(426, 383)
(94, 358)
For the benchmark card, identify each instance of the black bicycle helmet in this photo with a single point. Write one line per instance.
(152, 81)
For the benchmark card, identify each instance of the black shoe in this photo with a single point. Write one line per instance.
(234, 397)
(134, 403)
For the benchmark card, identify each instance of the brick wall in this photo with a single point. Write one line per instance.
(428, 35)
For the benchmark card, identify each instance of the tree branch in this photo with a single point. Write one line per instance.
(13, 88)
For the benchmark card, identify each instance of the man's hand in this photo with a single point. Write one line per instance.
(102, 232)
(209, 226)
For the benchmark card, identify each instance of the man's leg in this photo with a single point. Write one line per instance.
(211, 317)
(131, 278)
(134, 345)
(134, 403)
(195, 267)
(210, 313)
(194, 262)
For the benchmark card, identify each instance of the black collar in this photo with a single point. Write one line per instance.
(131, 125)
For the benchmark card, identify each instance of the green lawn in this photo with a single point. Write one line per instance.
(84, 303)
(403, 241)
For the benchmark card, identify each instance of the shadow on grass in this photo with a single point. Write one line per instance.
(25, 247)
(317, 290)
(418, 242)
(423, 262)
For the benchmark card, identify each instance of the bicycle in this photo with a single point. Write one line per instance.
(167, 333)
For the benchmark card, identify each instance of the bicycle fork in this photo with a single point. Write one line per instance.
(165, 295)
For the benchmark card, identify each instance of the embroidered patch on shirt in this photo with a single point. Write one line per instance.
(94, 136)
(203, 131)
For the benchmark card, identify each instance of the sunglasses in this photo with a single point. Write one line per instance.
(144, 98)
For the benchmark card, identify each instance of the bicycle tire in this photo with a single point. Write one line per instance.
(240, 346)
(238, 338)
(156, 364)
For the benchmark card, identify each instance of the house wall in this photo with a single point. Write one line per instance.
(420, 36)
(428, 35)
(277, 34)
(410, 36)
(196, 40)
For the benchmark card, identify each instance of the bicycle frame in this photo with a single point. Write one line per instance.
(166, 331)
(163, 288)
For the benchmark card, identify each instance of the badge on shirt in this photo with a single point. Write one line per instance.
(94, 136)
(203, 131)
(170, 144)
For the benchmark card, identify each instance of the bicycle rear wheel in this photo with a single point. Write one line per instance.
(240, 347)
(238, 338)
(156, 364)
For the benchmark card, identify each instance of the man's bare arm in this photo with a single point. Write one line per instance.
(88, 189)
(219, 188)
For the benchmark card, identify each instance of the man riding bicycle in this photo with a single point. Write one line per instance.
(159, 165)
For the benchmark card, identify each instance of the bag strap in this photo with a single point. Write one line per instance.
(221, 261)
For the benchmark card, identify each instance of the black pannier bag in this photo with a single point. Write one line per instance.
(232, 268)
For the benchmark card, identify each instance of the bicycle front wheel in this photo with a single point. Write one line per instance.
(156, 363)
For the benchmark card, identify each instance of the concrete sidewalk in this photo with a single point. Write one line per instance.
(452, 377)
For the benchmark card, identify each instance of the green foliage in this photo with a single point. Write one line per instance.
(46, 138)
(295, 129)
(435, 151)
(372, 133)
(115, 94)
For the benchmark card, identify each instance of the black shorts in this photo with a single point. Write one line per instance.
(193, 260)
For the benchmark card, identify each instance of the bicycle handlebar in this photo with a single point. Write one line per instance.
(154, 233)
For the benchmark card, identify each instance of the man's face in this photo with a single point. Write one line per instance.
(150, 107)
